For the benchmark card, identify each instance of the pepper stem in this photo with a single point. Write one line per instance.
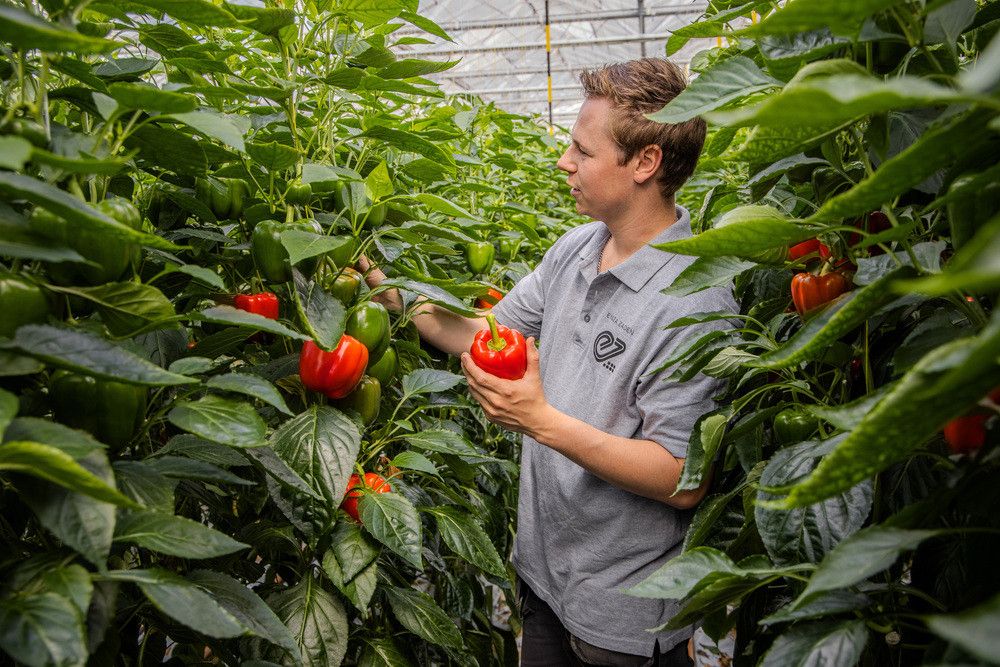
(497, 343)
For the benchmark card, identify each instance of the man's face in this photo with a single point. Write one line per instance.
(600, 185)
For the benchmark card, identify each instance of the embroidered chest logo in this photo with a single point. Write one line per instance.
(606, 347)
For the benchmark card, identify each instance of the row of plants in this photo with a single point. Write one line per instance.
(850, 187)
(216, 444)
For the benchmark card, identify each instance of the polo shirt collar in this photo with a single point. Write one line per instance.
(638, 269)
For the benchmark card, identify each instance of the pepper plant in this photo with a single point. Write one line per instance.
(848, 187)
(185, 188)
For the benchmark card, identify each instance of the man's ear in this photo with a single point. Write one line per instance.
(647, 163)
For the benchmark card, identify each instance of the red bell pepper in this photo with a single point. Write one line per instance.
(809, 291)
(335, 373)
(490, 299)
(500, 351)
(809, 247)
(967, 433)
(375, 482)
(262, 303)
(876, 222)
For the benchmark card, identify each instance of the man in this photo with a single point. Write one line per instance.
(605, 432)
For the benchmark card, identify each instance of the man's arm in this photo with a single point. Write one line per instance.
(445, 330)
(642, 467)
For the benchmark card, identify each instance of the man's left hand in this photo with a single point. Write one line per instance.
(518, 405)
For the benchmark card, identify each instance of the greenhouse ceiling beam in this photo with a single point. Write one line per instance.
(483, 74)
(526, 89)
(584, 17)
(531, 46)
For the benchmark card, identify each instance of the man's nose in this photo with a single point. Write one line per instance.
(564, 163)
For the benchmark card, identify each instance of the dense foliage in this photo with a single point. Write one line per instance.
(850, 188)
(185, 186)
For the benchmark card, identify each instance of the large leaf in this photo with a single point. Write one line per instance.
(843, 18)
(394, 522)
(56, 466)
(321, 446)
(27, 31)
(183, 601)
(150, 98)
(85, 353)
(807, 534)
(419, 614)
(214, 125)
(250, 385)
(974, 629)
(42, 629)
(703, 445)
(196, 13)
(351, 549)
(705, 272)
(821, 644)
(322, 313)
(125, 308)
(174, 535)
(730, 80)
(317, 620)
(407, 67)
(408, 141)
(430, 381)
(468, 539)
(242, 318)
(221, 420)
(741, 232)
(941, 386)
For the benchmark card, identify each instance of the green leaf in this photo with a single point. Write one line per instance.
(468, 539)
(679, 576)
(322, 313)
(410, 460)
(150, 98)
(174, 535)
(807, 534)
(442, 205)
(705, 440)
(317, 620)
(974, 629)
(425, 24)
(351, 550)
(183, 601)
(79, 165)
(77, 444)
(394, 522)
(14, 151)
(141, 482)
(302, 244)
(197, 13)
(251, 385)
(65, 205)
(215, 126)
(241, 318)
(730, 80)
(123, 69)
(372, 12)
(940, 387)
(220, 420)
(860, 556)
(9, 406)
(827, 643)
(433, 293)
(765, 145)
(274, 466)
(193, 447)
(843, 18)
(43, 629)
(430, 381)
(27, 32)
(381, 653)
(203, 274)
(273, 156)
(181, 468)
(321, 446)
(408, 141)
(167, 148)
(838, 318)
(821, 605)
(56, 466)
(974, 268)
(407, 67)
(72, 582)
(378, 183)
(419, 614)
(21, 243)
(125, 308)
(742, 231)
(440, 440)
(246, 607)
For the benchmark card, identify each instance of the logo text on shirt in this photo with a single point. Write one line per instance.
(624, 327)
(606, 347)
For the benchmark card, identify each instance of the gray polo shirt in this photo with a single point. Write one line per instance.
(580, 540)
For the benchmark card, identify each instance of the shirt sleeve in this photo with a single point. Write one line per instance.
(524, 305)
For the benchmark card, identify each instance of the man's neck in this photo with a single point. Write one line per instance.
(635, 228)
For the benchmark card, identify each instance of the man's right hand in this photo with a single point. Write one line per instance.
(391, 298)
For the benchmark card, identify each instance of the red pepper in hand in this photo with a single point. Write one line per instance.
(491, 299)
(373, 481)
(262, 303)
(335, 373)
(809, 291)
(500, 351)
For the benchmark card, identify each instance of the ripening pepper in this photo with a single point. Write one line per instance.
(365, 399)
(874, 223)
(384, 370)
(967, 433)
(809, 291)
(793, 425)
(369, 323)
(21, 302)
(333, 373)
(270, 254)
(110, 411)
(298, 193)
(490, 299)
(372, 481)
(262, 303)
(112, 255)
(500, 351)
(343, 285)
(479, 256)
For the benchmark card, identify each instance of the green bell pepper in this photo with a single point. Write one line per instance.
(365, 399)
(369, 323)
(298, 193)
(226, 197)
(343, 255)
(384, 370)
(110, 411)
(793, 425)
(21, 302)
(343, 285)
(270, 254)
(479, 256)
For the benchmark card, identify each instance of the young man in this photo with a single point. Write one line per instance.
(605, 432)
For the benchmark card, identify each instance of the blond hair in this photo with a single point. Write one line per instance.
(634, 89)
